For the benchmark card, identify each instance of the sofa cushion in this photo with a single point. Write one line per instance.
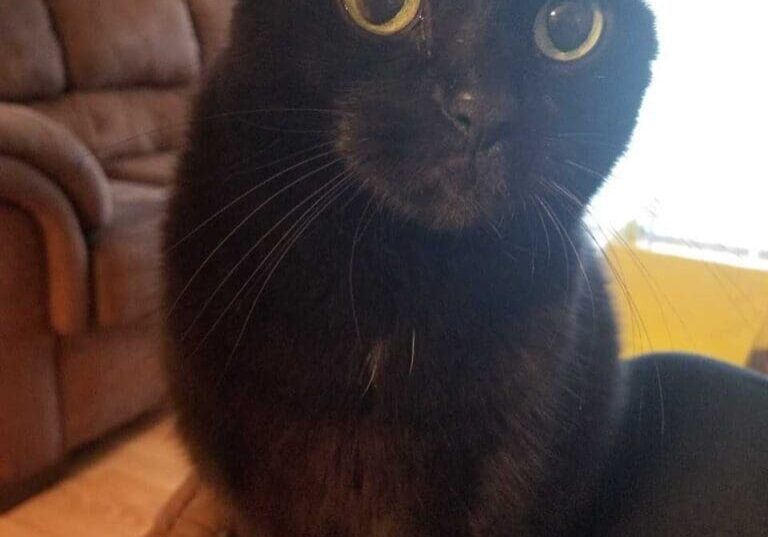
(31, 64)
(127, 42)
(155, 168)
(126, 256)
(122, 123)
(108, 377)
(211, 18)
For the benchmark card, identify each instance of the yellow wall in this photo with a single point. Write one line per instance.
(683, 305)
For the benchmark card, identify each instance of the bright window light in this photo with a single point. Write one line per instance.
(695, 180)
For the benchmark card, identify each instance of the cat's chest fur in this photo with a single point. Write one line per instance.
(460, 388)
(346, 478)
(437, 429)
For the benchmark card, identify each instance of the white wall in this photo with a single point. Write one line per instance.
(699, 160)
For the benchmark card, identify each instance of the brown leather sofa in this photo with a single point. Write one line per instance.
(93, 100)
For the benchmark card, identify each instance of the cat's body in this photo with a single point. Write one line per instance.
(434, 354)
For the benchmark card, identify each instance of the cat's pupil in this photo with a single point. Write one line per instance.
(570, 23)
(381, 11)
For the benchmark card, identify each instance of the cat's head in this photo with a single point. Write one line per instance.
(453, 111)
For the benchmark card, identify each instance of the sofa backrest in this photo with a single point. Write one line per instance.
(118, 73)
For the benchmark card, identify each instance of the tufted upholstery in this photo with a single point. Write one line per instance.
(33, 62)
(119, 44)
(94, 97)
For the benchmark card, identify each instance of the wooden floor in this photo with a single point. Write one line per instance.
(114, 491)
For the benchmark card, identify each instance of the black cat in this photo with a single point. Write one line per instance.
(386, 318)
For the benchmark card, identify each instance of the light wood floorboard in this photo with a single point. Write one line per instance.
(115, 491)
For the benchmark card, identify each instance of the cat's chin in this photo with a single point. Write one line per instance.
(448, 211)
(455, 193)
(457, 214)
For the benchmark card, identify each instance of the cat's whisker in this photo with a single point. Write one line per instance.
(579, 261)
(283, 130)
(253, 189)
(558, 228)
(238, 170)
(564, 192)
(245, 256)
(649, 280)
(538, 208)
(105, 150)
(620, 280)
(241, 167)
(577, 214)
(330, 186)
(360, 188)
(585, 168)
(554, 144)
(250, 215)
(579, 134)
(494, 228)
(372, 360)
(587, 137)
(524, 204)
(359, 231)
(332, 196)
(250, 111)
(618, 277)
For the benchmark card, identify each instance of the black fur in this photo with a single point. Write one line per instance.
(434, 354)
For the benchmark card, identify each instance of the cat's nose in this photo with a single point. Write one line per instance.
(481, 119)
(464, 111)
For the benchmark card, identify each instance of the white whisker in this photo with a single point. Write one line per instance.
(244, 221)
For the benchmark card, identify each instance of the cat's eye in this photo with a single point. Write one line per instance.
(568, 30)
(383, 17)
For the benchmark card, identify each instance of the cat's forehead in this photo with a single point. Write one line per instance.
(462, 8)
(477, 16)
(448, 31)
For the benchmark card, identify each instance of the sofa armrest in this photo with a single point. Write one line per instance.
(66, 254)
(39, 142)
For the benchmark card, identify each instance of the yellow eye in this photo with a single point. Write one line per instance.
(383, 17)
(568, 30)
